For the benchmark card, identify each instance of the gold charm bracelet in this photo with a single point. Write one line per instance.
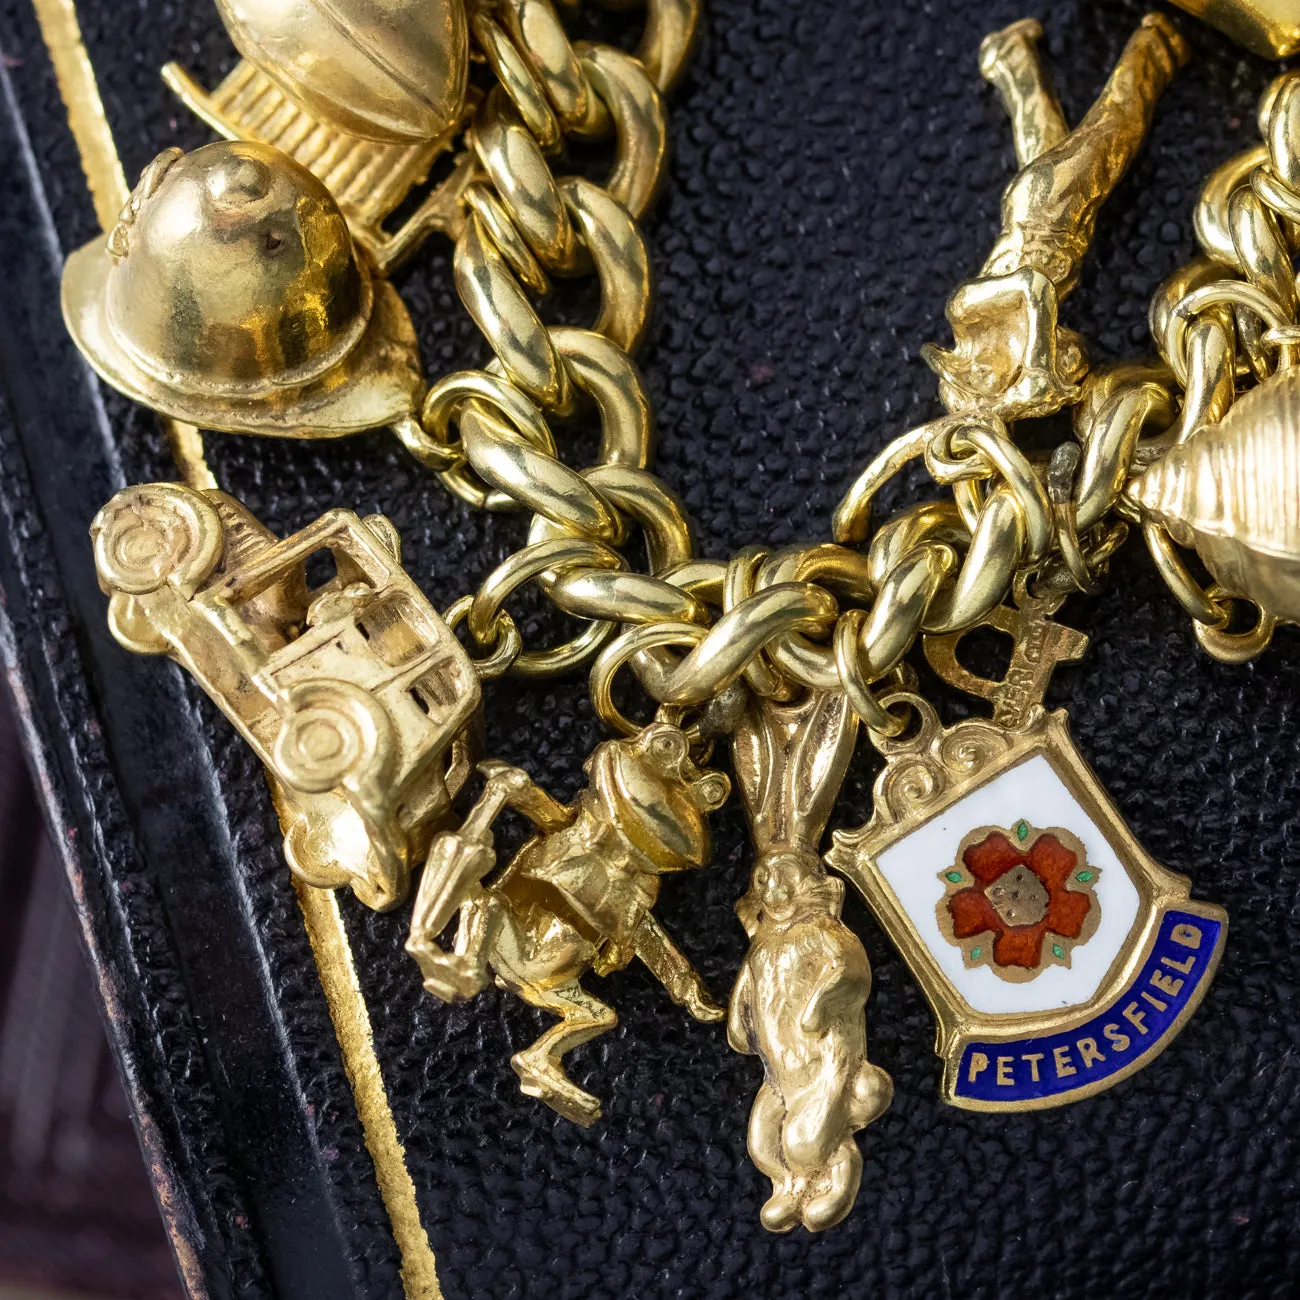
(244, 290)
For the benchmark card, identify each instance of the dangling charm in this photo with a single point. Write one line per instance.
(1058, 956)
(799, 1000)
(576, 898)
(355, 695)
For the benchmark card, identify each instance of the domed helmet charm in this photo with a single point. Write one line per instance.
(364, 93)
(230, 295)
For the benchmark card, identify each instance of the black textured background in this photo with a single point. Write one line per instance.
(836, 169)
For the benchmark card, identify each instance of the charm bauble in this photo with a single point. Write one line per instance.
(1232, 491)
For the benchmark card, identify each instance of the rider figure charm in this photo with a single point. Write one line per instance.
(576, 897)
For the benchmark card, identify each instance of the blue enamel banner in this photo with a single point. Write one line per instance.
(1134, 1025)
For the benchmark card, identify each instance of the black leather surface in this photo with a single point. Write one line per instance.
(836, 169)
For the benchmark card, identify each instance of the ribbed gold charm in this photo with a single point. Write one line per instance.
(1232, 491)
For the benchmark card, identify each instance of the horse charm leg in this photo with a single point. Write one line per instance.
(575, 898)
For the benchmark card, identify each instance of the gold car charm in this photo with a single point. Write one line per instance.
(243, 289)
(355, 694)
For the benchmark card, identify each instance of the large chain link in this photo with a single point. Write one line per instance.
(1229, 319)
(824, 616)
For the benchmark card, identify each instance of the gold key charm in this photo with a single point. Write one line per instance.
(1058, 956)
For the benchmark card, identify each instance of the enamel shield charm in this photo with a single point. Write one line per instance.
(1058, 955)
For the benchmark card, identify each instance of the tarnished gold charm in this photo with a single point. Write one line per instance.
(798, 1002)
(354, 694)
(576, 898)
(1010, 358)
(1058, 956)
(1232, 490)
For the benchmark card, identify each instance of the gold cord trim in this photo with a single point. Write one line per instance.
(324, 923)
(338, 977)
(104, 175)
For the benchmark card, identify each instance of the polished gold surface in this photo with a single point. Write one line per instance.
(1228, 481)
(798, 1002)
(1011, 358)
(576, 898)
(229, 295)
(387, 70)
(1232, 491)
(1268, 27)
(790, 650)
(355, 695)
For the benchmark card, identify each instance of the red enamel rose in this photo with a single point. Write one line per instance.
(1019, 895)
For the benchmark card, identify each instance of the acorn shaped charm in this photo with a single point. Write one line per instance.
(1232, 491)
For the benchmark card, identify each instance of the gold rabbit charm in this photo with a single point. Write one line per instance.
(798, 1002)
(577, 897)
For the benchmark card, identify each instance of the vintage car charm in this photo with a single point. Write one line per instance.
(354, 693)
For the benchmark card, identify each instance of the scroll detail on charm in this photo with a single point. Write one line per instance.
(798, 1002)
(1058, 955)
(576, 898)
(354, 694)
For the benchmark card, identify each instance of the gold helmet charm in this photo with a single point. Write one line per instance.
(230, 295)
(388, 70)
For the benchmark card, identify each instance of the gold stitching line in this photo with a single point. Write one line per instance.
(321, 916)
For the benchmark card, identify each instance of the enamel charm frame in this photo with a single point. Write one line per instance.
(1110, 1003)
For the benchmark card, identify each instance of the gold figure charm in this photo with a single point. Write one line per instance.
(1011, 358)
(577, 897)
(355, 695)
(365, 93)
(230, 295)
(798, 1002)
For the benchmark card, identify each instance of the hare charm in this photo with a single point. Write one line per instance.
(798, 1002)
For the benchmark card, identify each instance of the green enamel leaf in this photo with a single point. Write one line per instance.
(1083, 877)
(975, 953)
(955, 877)
(1022, 831)
(1057, 951)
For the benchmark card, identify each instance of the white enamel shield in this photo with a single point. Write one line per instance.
(1058, 956)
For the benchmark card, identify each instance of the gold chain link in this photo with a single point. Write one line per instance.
(828, 616)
